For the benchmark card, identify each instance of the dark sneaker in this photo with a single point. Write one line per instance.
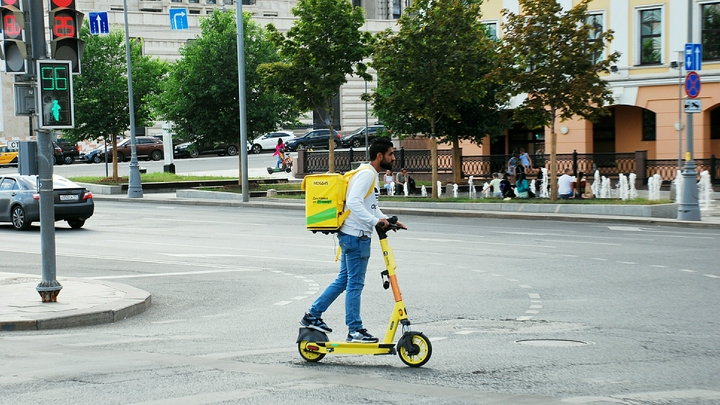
(361, 336)
(312, 322)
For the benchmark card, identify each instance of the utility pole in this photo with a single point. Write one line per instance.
(689, 208)
(134, 186)
(241, 97)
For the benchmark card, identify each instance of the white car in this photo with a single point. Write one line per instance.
(270, 140)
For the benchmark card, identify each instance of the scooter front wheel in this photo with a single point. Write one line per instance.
(308, 353)
(420, 352)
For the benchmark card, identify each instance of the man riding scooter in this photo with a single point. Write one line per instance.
(354, 239)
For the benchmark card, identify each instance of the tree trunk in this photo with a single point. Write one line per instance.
(114, 158)
(457, 162)
(433, 159)
(553, 159)
(331, 140)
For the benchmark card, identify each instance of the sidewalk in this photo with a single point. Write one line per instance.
(88, 302)
(80, 303)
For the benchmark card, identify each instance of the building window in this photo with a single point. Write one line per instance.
(396, 9)
(210, 1)
(194, 1)
(176, 1)
(491, 30)
(357, 3)
(711, 31)
(595, 21)
(650, 36)
(715, 123)
(649, 125)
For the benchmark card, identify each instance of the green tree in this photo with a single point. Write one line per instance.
(322, 48)
(434, 75)
(101, 91)
(550, 57)
(200, 95)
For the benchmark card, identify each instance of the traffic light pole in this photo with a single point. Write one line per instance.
(49, 287)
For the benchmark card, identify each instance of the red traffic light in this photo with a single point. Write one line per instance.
(61, 3)
(65, 23)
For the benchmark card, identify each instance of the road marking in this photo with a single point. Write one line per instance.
(597, 258)
(496, 275)
(512, 280)
(283, 303)
(625, 228)
(534, 295)
(627, 262)
(658, 265)
(532, 311)
(711, 275)
(465, 332)
(688, 271)
(524, 318)
(536, 306)
(187, 273)
(569, 255)
(524, 286)
(299, 297)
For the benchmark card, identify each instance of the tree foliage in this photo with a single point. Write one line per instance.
(549, 56)
(201, 92)
(101, 91)
(320, 50)
(435, 75)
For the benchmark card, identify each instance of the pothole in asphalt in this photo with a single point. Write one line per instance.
(552, 342)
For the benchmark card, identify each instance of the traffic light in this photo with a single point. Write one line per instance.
(14, 50)
(56, 97)
(65, 23)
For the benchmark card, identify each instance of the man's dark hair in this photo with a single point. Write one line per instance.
(379, 145)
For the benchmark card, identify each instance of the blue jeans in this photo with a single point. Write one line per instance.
(351, 279)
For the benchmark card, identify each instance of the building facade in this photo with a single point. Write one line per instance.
(647, 83)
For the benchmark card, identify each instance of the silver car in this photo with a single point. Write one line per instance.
(20, 201)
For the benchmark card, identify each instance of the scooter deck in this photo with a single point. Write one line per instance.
(354, 348)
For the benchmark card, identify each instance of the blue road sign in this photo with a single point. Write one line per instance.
(178, 18)
(693, 57)
(692, 84)
(99, 22)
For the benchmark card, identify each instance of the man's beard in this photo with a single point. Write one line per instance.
(386, 164)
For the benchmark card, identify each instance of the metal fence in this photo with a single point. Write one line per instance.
(608, 164)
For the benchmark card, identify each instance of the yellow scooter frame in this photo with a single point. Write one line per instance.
(414, 348)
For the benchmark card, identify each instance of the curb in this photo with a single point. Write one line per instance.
(466, 213)
(134, 302)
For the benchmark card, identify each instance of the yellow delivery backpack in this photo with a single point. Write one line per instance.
(325, 200)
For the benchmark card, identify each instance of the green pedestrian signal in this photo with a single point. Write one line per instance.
(56, 96)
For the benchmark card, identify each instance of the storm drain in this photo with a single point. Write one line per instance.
(552, 342)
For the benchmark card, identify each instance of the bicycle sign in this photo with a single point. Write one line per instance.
(692, 84)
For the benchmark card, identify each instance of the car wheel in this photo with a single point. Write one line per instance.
(19, 221)
(356, 143)
(54, 160)
(194, 153)
(300, 146)
(97, 159)
(256, 149)
(156, 155)
(232, 150)
(121, 157)
(69, 160)
(76, 223)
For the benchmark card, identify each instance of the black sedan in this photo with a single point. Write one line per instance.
(192, 150)
(20, 201)
(317, 138)
(356, 138)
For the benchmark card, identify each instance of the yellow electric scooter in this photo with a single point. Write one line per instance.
(414, 348)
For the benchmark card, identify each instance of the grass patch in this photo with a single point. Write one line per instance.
(593, 201)
(157, 177)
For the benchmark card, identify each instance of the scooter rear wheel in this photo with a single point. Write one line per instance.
(421, 353)
(309, 355)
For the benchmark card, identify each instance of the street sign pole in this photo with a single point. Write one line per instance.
(134, 185)
(689, 207)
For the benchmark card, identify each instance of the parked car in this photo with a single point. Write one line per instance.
(70, 151)
(356, 138)
(146, 146)
(190, 149)
(20, 201)
(96, 155)
(57, 154)
(8, 157)
(268, 141)
(318, 138)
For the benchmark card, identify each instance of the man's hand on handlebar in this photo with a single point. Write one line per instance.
(391, 223)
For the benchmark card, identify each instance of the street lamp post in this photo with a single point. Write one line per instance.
(134, 186)
(689, 208)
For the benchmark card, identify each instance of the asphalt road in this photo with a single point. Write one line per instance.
(518, 312)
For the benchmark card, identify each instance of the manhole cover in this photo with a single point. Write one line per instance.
(551, 342)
